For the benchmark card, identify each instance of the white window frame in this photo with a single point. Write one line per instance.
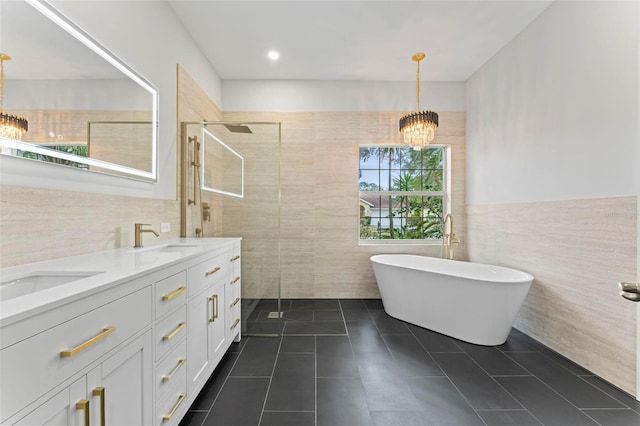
(445, 194)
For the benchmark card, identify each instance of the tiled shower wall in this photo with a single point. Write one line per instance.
(320, 254)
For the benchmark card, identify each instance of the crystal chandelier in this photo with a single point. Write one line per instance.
(11, 126)
(419, 128)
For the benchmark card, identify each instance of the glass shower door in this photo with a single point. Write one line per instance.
(239, 168)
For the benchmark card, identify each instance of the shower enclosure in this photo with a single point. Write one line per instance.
(230, 187)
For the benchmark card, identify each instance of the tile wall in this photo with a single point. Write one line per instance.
(578, 251)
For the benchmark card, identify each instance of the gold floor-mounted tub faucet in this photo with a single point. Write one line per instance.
(448, 238)
(138, 233)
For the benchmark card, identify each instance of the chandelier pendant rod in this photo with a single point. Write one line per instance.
(3, 58)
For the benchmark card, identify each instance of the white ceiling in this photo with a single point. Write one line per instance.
(353, 40)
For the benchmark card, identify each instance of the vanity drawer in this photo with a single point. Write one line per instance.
(209, 272)
(37, 364)
(170, 332)
(170, 293)
(171, 369)
(171, 408)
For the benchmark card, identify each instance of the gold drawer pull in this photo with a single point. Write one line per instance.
(214, 307)
(181, 398)
(235, 280)
(235, 323)
(213, 271)
(175, 293)
(99, 392)
(168, 377)
(235, 302)
(234, 258)
(174, 332)
(83, 405)
(71, 352)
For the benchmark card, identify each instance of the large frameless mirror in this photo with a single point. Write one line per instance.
(80, 105)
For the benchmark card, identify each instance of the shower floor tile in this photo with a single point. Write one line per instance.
(345, 362)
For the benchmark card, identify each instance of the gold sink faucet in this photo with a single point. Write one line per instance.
(139, 231)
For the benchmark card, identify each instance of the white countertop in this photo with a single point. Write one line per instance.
(113, 267)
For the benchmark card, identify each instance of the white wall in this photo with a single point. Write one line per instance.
(321, 96)
(149, 37)
(554, 115)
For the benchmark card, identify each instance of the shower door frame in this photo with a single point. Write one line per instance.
(638, 223)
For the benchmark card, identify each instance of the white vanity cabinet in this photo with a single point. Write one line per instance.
(134, 351)
(209, 312)
(62, 365)
(115, 390)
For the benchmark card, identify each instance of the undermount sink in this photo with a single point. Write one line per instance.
(37, 281)
(169, 248)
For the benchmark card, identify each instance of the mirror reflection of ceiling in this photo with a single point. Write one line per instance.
(353, 40)
(62, 57)
(84, 110)
(51, 69)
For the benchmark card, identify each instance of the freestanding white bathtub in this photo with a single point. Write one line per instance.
(473, 302)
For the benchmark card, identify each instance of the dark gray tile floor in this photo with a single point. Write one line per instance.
(347, 363)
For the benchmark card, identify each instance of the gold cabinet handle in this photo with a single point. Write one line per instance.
(175, 293)
(171, 335)
(213, 271)
(99, 392)
(234, 258)
(235, 324)
(71, 352)
(168, 377)
(235, 280)
(235, 302)
(212, 318)
(83, 405)
(181, 398)
(214, 307)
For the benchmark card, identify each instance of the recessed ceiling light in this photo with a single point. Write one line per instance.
(273, 55)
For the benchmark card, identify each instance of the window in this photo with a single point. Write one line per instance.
(74, 149)
(403, 193)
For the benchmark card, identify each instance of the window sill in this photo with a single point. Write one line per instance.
(400, 242)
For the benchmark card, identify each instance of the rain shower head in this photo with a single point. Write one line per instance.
(238, 128)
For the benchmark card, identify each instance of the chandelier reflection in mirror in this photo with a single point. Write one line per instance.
(11, 126)
(419, 128)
